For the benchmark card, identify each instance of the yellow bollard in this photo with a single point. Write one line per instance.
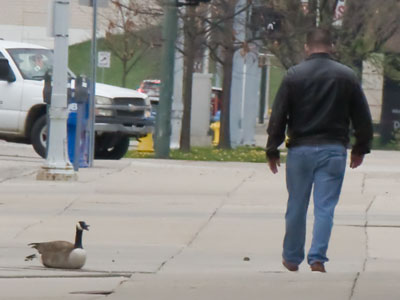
(146, 144)
(215, 127)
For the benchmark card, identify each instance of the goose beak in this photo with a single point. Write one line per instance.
(85, 227)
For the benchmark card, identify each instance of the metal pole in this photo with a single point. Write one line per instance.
(163, 121)
(58, 166)
(92, 116)
(243, 99)
(268, 88)
(263, 89)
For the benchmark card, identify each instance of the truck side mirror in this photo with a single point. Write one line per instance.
(6, 73)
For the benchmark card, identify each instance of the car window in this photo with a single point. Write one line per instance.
(32, 63)
(11, 73)
(151, 88)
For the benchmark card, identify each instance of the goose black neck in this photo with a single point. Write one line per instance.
(78, 238)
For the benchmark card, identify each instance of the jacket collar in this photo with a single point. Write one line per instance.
(319, 55)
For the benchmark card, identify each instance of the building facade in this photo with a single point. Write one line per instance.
(27, 21)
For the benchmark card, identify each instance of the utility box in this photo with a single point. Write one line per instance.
(201, 110)
(246, 78)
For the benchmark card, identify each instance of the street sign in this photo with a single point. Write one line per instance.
(339, 12)
(100, 3)
(104, 59)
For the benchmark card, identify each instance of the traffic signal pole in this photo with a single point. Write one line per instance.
(162, 136)
(163, 120)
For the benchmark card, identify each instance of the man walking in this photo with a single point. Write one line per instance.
(317, 101)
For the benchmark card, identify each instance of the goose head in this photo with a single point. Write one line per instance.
(81, 225)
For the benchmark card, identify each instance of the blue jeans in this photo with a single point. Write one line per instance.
(320, 167)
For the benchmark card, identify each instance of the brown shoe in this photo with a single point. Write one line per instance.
(318, 267)
(290, 266)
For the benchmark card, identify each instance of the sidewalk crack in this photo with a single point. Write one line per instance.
(67, 207)
(353, 288)
(26, 228)
(366, 225)
(41, 221)
(23, 174)
(364, 179)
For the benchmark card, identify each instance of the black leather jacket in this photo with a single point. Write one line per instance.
(317, 101)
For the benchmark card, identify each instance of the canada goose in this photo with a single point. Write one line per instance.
(61, 254)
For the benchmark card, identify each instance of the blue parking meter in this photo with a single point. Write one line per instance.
(78, 135)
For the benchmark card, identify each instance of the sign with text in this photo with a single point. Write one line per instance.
(104, 59)
(339, 12)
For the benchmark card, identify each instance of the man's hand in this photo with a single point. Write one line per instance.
(274, 163)
(356, 160)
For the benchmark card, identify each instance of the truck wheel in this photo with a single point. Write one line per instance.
(39, 136)
(116, 152)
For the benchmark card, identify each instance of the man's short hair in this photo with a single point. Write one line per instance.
(319, 37)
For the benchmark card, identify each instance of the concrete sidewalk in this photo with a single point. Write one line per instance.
(182, 230)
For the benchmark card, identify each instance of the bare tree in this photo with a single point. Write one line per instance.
(209, 26)
(130, 33)
(189, 50)
(367, 26)
(223, 44)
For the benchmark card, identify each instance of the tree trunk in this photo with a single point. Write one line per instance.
(229, 51)
(189, 50)
(225, 131)
(124, 72)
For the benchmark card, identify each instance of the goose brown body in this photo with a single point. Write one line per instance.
(62, 254)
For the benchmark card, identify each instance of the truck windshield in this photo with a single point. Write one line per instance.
(32, 63)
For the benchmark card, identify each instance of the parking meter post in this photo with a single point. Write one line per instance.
(79, 119)
(163, 119)
(47, 88)
(80, 142)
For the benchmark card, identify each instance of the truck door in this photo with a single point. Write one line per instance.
(10, 103)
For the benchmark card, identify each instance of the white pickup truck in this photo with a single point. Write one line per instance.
(120, 113)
